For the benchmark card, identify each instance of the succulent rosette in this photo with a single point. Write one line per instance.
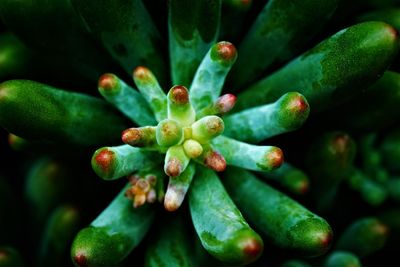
(197, 127)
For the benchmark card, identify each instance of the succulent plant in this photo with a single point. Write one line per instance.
(200, 129)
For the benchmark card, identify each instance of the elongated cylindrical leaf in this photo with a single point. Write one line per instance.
(287, 114)
(251, 157)
(363, 237)
(222, 231)
(287, 223)
(113, 234)
(172, 246)
(193, 28)
(281, 29)
(126, 99)
(37, 111)
(336, 69)
(126, 30)
(210, 76)
(115, 162)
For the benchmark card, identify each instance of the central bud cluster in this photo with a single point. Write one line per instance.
(182, 132)
(182, 135)
(179, 130)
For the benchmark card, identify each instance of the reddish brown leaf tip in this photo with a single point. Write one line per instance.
(275, 157)
(80, 260)
(169, 128)
(292, 111)
(225, 103)
(394, 33)
(131, 136)
(341, 143)
(326, 239)
(4, 94)
(215, 125)
(104, 160)
(171, 203)
(3, 254)
(298, 104)
(108, 82)
(169, 207)
(141, 73)
(252, 247)
(381, 229)
(143, 185)
(179, 94)
(173, 168)
(226, 50)
(215, 161)
(13, 139)
(303, 187)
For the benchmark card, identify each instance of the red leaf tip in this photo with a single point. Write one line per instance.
(104, 159)
(80, 260)
(215, 161)
(275, 157)
(252, 247)
(226, 51)
(173, 168)
(179, 94)
(108, 81)
(142, 73)
(225, 103)
(131, 136)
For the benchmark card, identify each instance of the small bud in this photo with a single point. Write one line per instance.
(179, 106)
(192, 148)
(151, 179)
(173, 167)
(176, 161)
(207, 128)
(139, 200)
(143, 189)
(177, 188)
(212, 159)
(169, 133)
(142, 186)
(151, 196)
(133, 179)
(225, 103)
(215, 161)
(173, 199)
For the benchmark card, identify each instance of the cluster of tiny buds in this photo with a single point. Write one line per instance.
(142, 189)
